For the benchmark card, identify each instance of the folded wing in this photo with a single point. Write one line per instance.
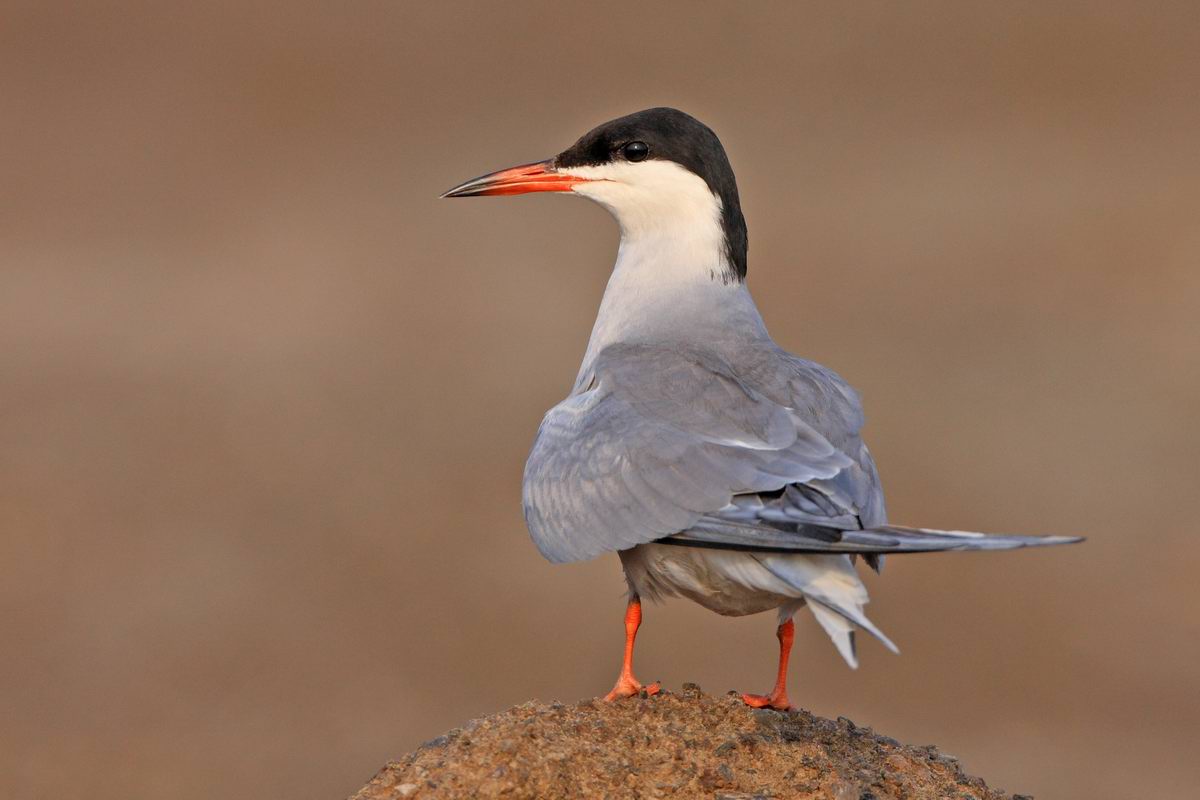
(663, 436)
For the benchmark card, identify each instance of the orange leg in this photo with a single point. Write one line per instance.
(778, 697)
(627, 685)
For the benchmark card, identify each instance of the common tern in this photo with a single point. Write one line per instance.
(718, 467)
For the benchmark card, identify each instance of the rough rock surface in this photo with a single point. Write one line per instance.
(670, 745)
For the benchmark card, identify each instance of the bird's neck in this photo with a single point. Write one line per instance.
(673, 285)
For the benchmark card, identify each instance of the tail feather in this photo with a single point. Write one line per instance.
(839, 630)
(835, 594)
(854, 613)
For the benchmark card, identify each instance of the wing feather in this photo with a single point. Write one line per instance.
(661, 437)
(671, 444)
(724, 533)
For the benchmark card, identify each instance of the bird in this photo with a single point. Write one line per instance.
(718, 467)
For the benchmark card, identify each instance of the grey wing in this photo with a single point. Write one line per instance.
(840, 514)
(665, 436)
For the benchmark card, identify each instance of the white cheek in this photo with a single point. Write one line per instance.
(649, 196)
(607, 193)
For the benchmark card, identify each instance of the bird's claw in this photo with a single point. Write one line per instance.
(628, 687)
(779, 702)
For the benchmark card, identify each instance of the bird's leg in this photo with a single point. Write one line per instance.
(778, 698)
(627, 685)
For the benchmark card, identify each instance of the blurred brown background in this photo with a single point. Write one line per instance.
(265, 400)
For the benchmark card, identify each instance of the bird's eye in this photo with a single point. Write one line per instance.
(635, 151)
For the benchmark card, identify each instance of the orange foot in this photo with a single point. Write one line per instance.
(776, 700)
(627, 686)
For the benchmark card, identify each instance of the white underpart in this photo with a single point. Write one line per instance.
(670, 282)
(737, 583)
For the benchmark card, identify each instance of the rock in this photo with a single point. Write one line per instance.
(689, 745)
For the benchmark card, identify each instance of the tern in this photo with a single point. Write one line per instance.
(719, 467)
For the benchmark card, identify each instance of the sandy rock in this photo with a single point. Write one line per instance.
(670, 745)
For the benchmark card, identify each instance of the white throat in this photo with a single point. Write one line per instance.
(672, 278)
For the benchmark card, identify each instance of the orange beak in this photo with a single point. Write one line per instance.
(539, 176)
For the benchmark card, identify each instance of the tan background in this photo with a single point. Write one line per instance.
(264, 400)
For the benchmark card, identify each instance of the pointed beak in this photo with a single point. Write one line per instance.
(539, 176)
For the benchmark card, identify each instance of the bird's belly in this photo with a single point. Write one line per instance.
(725, 581)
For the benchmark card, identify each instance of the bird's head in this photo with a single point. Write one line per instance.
(660, 172)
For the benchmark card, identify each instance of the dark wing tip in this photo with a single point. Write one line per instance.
(726, 534)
